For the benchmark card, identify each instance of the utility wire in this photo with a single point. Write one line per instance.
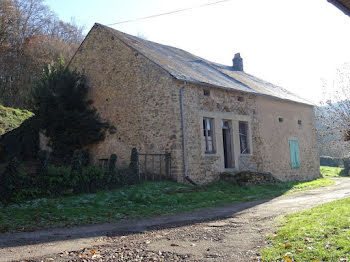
(168, 13)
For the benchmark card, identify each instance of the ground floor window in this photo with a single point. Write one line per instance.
(243, 137)
(208, 135)
(294, 153)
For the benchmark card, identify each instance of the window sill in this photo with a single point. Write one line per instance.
(250, 154)
(231, 169)
(210, 154)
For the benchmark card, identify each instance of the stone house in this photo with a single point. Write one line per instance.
(211, 118)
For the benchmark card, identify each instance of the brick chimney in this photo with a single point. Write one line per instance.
(237, 62)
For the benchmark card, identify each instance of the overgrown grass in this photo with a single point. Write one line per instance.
(11, 118)
(318, 234)
(328, 171)
(142, 200)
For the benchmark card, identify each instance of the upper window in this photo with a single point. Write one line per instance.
(243, 137)
(294, 154)
(206, 92)
(208, 134)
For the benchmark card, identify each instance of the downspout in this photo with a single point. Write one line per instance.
(184, 150)
(183, 129)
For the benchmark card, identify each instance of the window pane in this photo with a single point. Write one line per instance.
(210, 144)
(225, 124)
(208, 134)
(243, 137)
(208, 124)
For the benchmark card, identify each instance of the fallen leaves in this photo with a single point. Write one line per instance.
(287, 245)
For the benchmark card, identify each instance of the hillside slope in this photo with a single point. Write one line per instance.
(11, 118)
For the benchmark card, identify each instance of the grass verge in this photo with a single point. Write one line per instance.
(328, 171)
(11, 118)
(142, 200)
(318, 234)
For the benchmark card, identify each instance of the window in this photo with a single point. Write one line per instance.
(208, 134)
(206, 92)
(299, 122)
(280, 119)
(240, 98)
(103, 162)
(294, 154)
(243, 137)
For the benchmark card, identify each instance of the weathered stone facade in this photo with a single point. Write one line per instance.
(143, 103)
(136, 96)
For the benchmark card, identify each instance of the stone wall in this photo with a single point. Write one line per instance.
(275, 136)
(142, 102)
(219, 105)
(268, 138)
(137, 97)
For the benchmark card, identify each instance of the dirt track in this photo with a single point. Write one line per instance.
(231, 233)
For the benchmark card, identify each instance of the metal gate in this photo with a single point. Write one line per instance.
(154, 166)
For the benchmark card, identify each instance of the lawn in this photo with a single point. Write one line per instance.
(142, 200)
(328, 171)
(318, 234)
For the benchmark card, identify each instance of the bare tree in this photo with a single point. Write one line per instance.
(334, 115)
(31, 36)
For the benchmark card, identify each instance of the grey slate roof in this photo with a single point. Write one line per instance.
(185, 66)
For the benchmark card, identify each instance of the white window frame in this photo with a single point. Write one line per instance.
(205, 133)
(248, 138)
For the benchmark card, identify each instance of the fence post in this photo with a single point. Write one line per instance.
(153, 167)
(160, 167)
(134, 160)
(168, 164)
(112, 165)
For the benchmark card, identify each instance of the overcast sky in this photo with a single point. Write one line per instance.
(294, 44)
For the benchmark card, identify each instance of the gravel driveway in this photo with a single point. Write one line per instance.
(231, 233)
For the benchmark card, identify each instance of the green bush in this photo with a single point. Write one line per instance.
(56, 181)
(89, 180)
(330, 161)
(16, 186)
(64, 110)
(52, 181)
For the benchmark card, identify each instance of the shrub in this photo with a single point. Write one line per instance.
(15, 186)
(89, 180)
(330, 161)
(346, 162)
(53, 181)
(56, 181)
(134, 161)
(65, 112)
(113, 179)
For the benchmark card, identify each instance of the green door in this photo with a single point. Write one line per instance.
(294, 154)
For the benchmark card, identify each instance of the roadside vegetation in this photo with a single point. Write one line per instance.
(136, 201)
(318, 234)
(11, 118)
(328, 171)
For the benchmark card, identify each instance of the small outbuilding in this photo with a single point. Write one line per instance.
(211, 118)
